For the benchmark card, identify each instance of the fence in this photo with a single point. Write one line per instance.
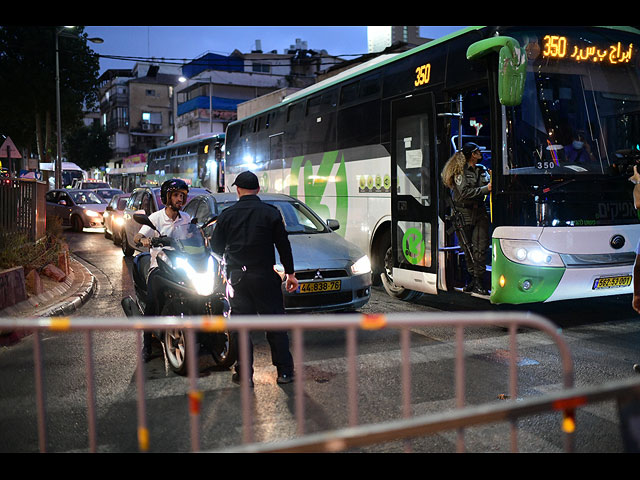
(23, 207)
(354, 435)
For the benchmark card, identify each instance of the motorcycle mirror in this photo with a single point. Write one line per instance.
(144, 220)
(210, 220)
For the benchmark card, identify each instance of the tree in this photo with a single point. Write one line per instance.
(88, 147)
(28, 83)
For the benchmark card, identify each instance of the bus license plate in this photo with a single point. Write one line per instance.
(316, 287)
(612, 282)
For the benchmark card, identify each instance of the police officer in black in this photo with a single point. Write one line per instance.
(246, 233)
(471, 182)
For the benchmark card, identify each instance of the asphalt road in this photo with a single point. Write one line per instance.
(604, 337)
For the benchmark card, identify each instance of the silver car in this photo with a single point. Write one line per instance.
(334, 274)
(78, 208)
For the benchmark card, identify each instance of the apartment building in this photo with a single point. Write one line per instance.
(154, 104)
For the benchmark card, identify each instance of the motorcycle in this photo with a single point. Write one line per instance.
(190, 282)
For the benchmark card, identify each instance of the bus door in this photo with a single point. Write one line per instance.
(413, 193)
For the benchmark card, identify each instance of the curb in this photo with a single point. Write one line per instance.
(61, 300)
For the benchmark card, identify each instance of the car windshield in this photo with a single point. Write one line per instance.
(188, 239)
(580, 113)
(109, 193)
(86, 197)
(298, 218)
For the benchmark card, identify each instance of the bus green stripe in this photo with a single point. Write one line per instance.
(543, 280)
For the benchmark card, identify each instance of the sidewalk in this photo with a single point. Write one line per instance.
(58, 299)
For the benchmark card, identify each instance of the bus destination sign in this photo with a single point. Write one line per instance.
(556, 46)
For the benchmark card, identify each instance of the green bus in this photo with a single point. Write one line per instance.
(367, 146)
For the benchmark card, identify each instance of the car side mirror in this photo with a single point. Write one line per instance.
(62, 202)
(333, 224)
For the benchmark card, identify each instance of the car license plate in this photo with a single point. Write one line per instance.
(317, 287)
(612, 282)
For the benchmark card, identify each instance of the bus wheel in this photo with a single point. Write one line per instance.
(392, 289)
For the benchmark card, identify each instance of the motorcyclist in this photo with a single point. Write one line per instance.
(167, 221)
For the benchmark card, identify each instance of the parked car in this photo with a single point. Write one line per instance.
(148, 200)
(113, 217)
(334, 274)
(78, 208)
(107, 193)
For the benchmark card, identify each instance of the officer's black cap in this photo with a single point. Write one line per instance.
(247, 180)
(469, 148)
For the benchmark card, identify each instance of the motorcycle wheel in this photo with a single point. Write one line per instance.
(175, 343)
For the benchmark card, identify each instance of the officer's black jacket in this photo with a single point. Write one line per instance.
(246, 233)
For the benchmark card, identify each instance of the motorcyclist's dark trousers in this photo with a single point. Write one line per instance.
(259, 292)
(151, 308)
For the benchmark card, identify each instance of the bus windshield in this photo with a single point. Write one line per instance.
(580, 113)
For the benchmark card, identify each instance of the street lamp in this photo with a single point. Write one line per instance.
(60, 32)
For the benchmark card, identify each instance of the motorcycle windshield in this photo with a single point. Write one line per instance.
(188, 238)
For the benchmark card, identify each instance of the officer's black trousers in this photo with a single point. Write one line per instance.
(259, 292)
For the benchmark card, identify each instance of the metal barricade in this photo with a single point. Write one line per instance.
(355, 435)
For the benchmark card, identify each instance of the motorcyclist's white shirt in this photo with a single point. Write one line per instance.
(165, 226)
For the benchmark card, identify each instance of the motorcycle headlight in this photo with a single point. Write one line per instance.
(204, 283)
(362, 266)
(530, 252)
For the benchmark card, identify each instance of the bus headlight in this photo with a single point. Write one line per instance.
(529, 252)
(362, 266)
(204, 283)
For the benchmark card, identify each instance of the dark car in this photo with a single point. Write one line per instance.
(113, 217)
(145, 200)
(78, 208)
(334, 274)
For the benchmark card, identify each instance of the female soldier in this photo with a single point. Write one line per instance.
(470, 183)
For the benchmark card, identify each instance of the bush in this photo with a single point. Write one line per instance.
(16, 250)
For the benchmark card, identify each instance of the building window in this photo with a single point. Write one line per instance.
(261, 67)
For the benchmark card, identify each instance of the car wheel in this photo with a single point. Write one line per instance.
(116, 238)
(77, 223)
(126, 249)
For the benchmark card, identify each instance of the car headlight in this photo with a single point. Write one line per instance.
(530, 252)
(119, 221)
(91, 213)
(362, 266)
(203, 283)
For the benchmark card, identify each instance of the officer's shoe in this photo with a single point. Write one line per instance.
(235, 378)
(479, 289)
(284, 378)
(468, 288)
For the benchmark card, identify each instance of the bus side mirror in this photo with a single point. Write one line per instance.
(512, 66)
